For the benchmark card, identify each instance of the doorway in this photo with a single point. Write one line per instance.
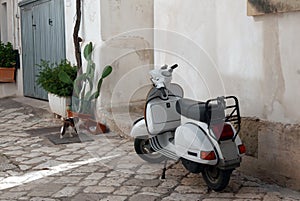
(43, 38)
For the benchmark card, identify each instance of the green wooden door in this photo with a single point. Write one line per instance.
(43, 38)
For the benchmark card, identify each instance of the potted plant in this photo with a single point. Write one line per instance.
(59, 92)
(7, 62)
(87, 89)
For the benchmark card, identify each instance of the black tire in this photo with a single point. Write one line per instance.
(143, 149)
(215, 178)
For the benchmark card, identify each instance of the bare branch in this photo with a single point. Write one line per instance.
(76, 39)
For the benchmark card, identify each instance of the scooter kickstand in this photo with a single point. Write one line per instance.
(208, 190)
(163, 175)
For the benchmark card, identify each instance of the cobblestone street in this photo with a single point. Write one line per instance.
(107, 168)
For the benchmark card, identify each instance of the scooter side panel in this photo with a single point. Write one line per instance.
(190, 140)
(139, 129)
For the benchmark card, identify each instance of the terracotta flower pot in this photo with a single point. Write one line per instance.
(7, 74)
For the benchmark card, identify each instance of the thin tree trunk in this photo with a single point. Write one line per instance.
(76, 39)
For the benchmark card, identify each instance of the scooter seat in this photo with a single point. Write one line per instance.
(196, 110)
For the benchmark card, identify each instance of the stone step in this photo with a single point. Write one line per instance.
(120, 119)
(121, 123)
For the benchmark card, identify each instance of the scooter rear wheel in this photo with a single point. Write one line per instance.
(143, 149)
(215, 178)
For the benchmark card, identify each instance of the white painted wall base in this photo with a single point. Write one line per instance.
(8, 89)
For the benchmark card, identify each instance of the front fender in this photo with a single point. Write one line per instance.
(139, 129)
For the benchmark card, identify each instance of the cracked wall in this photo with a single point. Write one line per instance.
(274, 151)
(258, 60)
(118, 29)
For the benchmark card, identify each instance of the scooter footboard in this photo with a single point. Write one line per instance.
(192, 143)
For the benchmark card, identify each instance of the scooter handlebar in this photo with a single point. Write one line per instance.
(174, 66)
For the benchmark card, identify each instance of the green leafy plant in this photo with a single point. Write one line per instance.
(85, 91)
(7, 55)
(50, 79)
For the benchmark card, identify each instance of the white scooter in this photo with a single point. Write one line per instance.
(207, 143)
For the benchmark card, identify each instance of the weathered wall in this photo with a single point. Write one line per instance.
(257, 57)
(117, 28)
(257, 60)
(273, 150)
(13, 36)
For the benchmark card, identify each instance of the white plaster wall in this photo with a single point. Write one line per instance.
(90, 26)
(256, 57)
(118, 28)
(128, 48)
(185, 37)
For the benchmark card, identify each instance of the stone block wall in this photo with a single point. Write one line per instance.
(272, 151)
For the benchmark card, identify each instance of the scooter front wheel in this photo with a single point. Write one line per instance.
(215, 178)
(143, 149)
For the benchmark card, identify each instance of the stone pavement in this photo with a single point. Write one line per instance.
(32, 168)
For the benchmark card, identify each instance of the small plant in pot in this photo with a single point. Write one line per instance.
(8, 57)
(87, 90)
(59, 92)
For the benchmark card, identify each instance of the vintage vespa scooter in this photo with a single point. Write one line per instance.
(207, 142)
